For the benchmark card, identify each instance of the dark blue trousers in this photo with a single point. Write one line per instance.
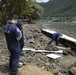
(22, 43)
(14, 61)
(54, 38)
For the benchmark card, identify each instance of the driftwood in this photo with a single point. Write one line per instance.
(44, 51)
(64, 48)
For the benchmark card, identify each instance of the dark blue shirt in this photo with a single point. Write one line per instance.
(19, 25)
(56, 35)
(11, 33)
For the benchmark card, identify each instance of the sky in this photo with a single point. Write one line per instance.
(42, 0)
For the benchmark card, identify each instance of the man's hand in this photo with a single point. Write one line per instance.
(24, 26)
(18, 38)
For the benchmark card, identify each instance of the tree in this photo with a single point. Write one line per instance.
(34, 11)
(19, 7)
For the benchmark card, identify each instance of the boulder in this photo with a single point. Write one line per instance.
(72, 71)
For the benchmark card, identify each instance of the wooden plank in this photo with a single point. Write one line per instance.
(28, 49)
(41, 51)
(46, 51)
(32, 69)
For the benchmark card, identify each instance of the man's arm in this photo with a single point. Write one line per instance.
(18, 34)
(58, 38)
(24, 27)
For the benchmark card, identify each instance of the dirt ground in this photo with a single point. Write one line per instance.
(66, 65)
(32, 69)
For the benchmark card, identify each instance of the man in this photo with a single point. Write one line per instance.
(19, 25)
(55, 37)
(13, 36)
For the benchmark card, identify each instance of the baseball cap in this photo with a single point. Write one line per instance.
(15, 17)
(21, 17)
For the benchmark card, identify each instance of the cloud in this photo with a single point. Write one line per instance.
(42, 0)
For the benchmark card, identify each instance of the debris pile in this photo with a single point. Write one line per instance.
(34, 39)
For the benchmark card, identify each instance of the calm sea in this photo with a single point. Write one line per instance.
(68, 28)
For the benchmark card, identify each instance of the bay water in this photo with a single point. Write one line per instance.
(68, 28)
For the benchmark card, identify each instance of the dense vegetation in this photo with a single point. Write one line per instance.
(60, 8)
(28, 8)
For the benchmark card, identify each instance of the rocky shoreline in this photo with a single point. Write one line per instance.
(66, 65)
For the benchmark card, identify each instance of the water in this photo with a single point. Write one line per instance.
(68, 28)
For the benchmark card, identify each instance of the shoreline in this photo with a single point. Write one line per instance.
(67, 28)
(35, 39)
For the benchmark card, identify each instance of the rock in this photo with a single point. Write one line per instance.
(31, 40)
(28, 36)
(68, 49)
(20, 64)
(67, 62)
(1, 73)
(72, 71)
(23, 59)
(60, 73)
(47, 64)
(55, 71)
(37, 30)
(65, 53)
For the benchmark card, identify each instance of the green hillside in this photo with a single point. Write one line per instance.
(59, 8)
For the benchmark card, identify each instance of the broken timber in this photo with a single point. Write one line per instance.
(42, 51)
(45, 51)
(64, 39)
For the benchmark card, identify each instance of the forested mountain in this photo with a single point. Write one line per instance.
(59, 8)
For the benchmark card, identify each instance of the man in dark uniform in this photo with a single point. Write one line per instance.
(19, 25)
(55, 37)
(13, 36)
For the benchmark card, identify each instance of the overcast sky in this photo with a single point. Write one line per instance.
(42, 0)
